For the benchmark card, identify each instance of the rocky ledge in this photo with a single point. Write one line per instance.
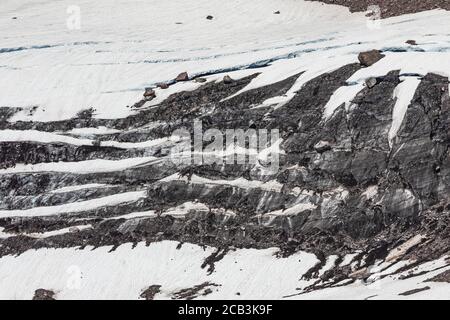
(391, 8)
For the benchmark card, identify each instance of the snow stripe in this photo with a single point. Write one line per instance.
(242, 183)
(404, 93)
(48, 137)
(81, 167)
(76, 206)
(343, 95)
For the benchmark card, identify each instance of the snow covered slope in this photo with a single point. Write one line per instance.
(123, 46)
(242, 274)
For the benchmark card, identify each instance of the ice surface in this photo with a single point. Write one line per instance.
(125, 46)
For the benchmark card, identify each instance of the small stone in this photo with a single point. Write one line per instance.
(14, 18)
(200, 80)
(277, 12)
(149, 93)
(209, 17)
(412, 42)
(368, 58)
(163, 85)
(371, 82)
(182, 77)
(227, 79)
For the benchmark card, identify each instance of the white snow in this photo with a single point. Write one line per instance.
(342, 96)
(370, 192)
(294, 210)
(134, 215)
(4, 235)
(112, 200)
(58, 232)
(92, 131)
(48, 137)
(108, 62)
(242, 183)
(40, 136)
(126, 272)
(404, 93)
(81, 167)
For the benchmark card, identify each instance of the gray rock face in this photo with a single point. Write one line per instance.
(343, 185)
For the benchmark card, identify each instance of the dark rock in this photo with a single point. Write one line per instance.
(209, 17)
(227, 79)
(442, 277)
(277, 12)
(151, 292)
(182, 77)
(149, 93)
(86, 114)
(162, 85)
(412, 42)
(391, 8)
(43, 294)
(192, 293)
(368, 58)
(414, 291)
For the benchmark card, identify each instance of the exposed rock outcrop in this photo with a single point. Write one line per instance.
(341, 185)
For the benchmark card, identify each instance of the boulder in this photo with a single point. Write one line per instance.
(182, 77)
(162, 85)
(227, 79)
(277, 12)
(42, 294)
(412, 42)
(209, 17)
(368, 58)
(149, 93)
